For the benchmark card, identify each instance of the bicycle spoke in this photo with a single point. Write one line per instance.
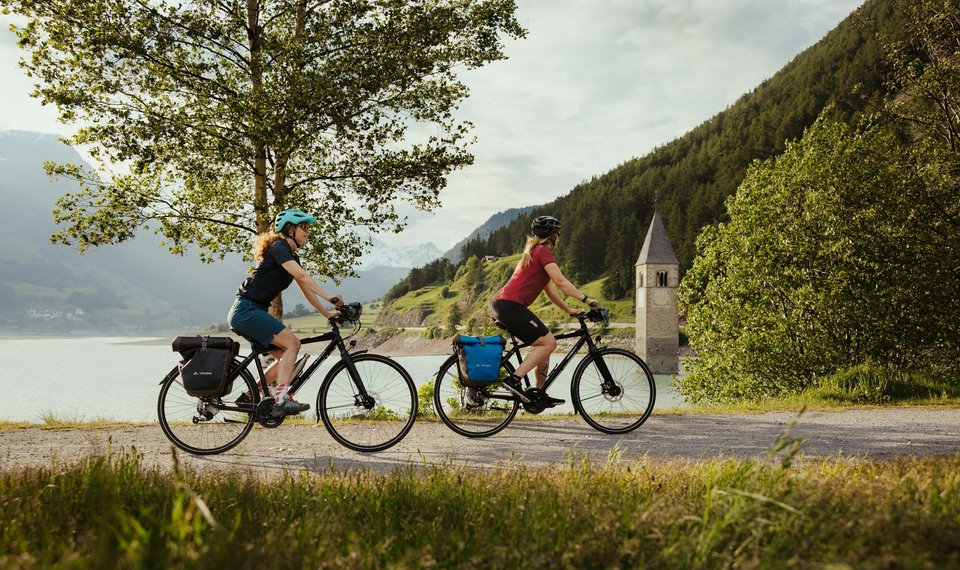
(363, 428)
(199, 425)
(491, 409)
(619, 403)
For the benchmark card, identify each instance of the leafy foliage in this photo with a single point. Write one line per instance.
(844, 252)
(228, 112)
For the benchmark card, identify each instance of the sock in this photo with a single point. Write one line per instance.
(282, 390)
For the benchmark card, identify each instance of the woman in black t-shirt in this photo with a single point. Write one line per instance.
(278, 266)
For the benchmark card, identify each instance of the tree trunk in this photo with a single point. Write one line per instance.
(261, 206)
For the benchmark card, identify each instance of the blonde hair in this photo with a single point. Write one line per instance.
(534, 241)
(262, 242)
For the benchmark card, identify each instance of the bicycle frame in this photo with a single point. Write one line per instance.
(584, 338)
(335, 342)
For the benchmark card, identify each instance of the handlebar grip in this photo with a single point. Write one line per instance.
(334, 300)
(594, 305)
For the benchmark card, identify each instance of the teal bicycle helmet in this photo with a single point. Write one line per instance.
(292, 217)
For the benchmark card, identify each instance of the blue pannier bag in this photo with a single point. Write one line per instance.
(478, 358)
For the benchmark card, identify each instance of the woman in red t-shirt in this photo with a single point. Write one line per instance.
(534, 273)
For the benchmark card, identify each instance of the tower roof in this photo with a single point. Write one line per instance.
(656, 247)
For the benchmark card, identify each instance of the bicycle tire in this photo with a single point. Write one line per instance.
(614, 411)
(356, 427)
(450, 404)
(185, 424)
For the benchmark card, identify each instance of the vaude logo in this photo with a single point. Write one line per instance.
(203, 373)
(534, 323)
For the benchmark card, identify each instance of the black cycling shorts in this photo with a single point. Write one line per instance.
(519, 320)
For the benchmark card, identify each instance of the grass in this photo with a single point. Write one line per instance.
(52, 421)
(112, 511)
(863, 386)
(430, 301)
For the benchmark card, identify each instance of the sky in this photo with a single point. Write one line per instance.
(594, 84)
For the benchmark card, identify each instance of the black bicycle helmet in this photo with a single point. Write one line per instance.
(543, 226)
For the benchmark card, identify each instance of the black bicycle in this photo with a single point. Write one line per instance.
(367, 402)
(612, 389)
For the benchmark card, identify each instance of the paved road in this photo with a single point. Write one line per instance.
(870, 434)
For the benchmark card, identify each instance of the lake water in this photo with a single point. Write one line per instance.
(118, 378)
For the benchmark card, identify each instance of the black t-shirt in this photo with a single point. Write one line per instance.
(269, 278)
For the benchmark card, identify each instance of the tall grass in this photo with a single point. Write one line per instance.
(112, 511)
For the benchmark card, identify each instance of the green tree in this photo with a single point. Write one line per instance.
(453, 320)
(227, 112)
(824, 265)
(473, 276)
(925, 67)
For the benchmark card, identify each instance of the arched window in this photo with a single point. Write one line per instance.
(661, 278)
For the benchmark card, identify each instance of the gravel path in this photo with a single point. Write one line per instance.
(872, 434)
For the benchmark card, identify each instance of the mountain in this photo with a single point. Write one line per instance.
(130, 287)
(133, 287)
(383, 255)
(495, 222)
(687, 180)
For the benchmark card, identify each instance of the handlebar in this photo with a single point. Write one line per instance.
(348, 313)
(597, 315)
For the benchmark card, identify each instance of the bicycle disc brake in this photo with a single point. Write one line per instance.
(612, 391)
(264, 408)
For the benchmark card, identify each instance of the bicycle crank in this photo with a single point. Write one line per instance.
(264, 417)
(535, 404)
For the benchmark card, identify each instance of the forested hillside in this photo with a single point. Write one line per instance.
(688, 179)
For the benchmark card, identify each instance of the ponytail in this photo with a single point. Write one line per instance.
(534, 241)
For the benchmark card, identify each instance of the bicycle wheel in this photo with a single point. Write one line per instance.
(199, 425)
(356, 426)
(621, 404)
(496, 408)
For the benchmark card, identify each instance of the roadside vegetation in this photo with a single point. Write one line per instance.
(112, 511)
(837, 270)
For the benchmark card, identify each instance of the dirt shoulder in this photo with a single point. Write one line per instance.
(535, 443)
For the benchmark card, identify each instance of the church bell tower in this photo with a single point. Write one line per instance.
(658, 318)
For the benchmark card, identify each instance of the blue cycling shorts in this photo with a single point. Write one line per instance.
(254, 321)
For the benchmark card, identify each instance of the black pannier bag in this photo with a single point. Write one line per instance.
(206, 362)
(478, 358)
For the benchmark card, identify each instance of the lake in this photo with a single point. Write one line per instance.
(117, 378)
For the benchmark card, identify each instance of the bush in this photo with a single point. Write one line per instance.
(425, 400)
(433, 332)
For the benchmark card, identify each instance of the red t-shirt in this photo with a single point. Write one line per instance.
(526, 283)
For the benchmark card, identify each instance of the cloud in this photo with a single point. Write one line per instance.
(595, 83)
(598, 82)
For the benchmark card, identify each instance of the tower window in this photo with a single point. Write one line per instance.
(661, 278)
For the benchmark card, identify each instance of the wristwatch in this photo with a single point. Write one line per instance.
(584, 300)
